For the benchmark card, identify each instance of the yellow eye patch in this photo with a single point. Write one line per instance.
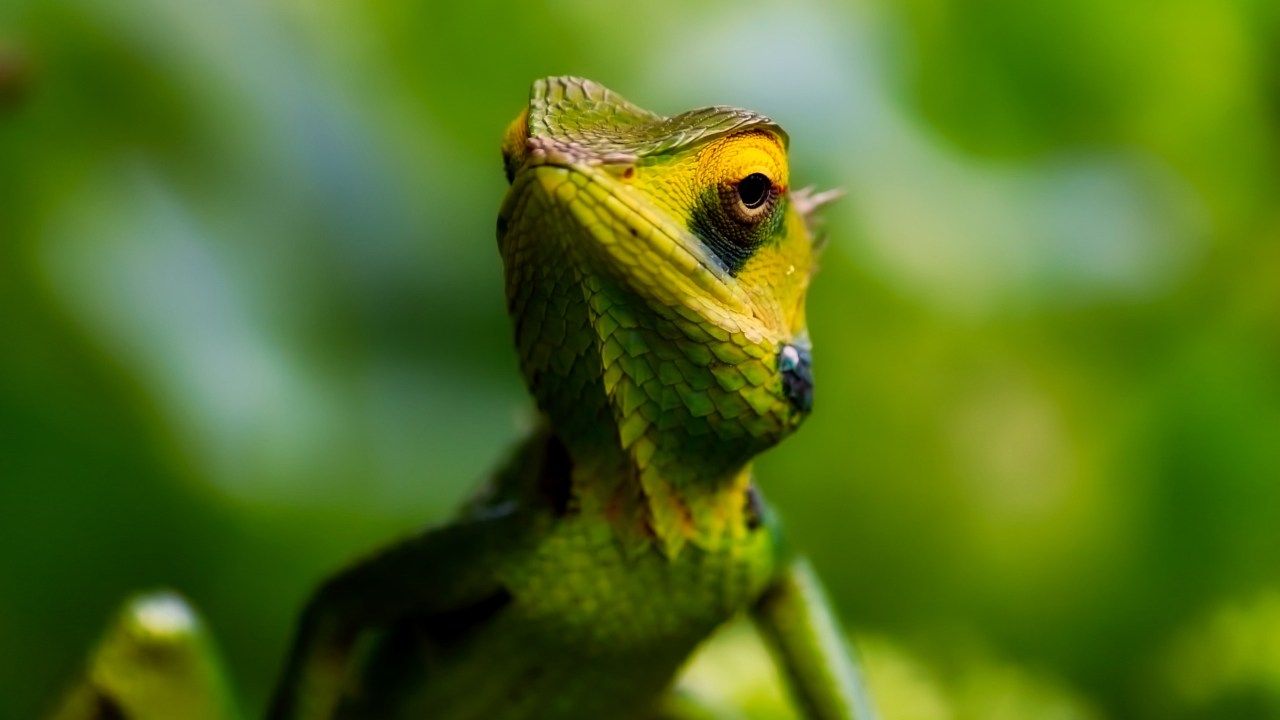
(729, 160)
(674, 183)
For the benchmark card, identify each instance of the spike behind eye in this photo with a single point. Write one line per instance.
(807, 200)
(808, 203)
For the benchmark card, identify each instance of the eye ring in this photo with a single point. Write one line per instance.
(751, 199)
(754, 190)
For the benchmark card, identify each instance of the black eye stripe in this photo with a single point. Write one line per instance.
(732, 231)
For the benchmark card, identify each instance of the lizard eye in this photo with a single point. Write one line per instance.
(754, 197)
(753, 190)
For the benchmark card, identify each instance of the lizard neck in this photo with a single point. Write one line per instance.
(633, 395)
(663, 504)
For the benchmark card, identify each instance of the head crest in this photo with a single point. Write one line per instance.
(583, 114)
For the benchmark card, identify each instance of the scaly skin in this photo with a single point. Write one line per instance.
(656, 270)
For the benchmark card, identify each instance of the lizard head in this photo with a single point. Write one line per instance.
(656, 271)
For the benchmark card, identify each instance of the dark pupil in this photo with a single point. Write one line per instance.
(753, 190)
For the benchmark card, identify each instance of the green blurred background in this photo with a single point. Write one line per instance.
(252, 318)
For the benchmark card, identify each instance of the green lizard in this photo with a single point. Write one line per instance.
(656, 270)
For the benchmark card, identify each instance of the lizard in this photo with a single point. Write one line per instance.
(655, 271)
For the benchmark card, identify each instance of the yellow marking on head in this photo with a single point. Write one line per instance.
(774, 279)
(730, 159)
(515, 144)
(674, 181)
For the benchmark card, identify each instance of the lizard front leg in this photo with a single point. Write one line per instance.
(437, 571)
(804, 635)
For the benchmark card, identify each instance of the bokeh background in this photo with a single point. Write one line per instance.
(251, 319)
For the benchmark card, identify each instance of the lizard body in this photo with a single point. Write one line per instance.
(655, 273)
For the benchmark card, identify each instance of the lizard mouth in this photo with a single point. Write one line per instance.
(653, 252)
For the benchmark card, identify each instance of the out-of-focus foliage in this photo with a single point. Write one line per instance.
(253, 321)
(732, 678)
(1226, 664)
